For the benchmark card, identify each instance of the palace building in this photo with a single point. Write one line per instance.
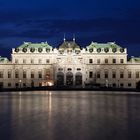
(99, 64)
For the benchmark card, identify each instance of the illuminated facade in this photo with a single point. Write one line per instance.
(39, 64)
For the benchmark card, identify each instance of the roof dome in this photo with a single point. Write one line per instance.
(69, 45)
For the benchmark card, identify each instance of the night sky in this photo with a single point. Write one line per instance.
(90, 20)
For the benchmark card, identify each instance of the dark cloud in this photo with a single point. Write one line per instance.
(90, 21)
(101, 29)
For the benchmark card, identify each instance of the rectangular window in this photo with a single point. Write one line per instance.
(114, 74)
(16, 74)
(16, 85)
(32, 74)
(16, 61)
(106, 61)
(1, 74)
(98, 75)
(9, 74)
(129, 84)
(90, 61)
(9, 84)
(39, 74)
(24, 84)
(98, 61)
(121, 85)
(24, 61)
(106, 74)
(39, 61)
(129, 74)
(1, 85)
(114, 61)
(47, 61)
(121, 74)
(24, 74)
(90, 74)
(121, 61)
(137, 74)
(32, 61)
(114, 84)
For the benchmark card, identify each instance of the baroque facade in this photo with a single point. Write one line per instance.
(39, 64)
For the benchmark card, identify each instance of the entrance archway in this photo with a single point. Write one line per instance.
(138, 85)
(69, 79)
(60, 78)
(78, 79)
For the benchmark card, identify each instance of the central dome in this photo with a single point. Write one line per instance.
(66, 45)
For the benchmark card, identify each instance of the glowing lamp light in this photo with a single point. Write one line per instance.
(50, 84)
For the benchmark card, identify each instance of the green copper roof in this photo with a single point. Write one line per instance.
(35, 45)
(3, 59)
(136, 59)
(69, 44)
(103, 45)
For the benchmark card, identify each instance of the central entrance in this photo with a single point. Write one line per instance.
(78, 79)
(60, 79)
(69, 79)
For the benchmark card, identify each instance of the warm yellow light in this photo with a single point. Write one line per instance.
(50, 84)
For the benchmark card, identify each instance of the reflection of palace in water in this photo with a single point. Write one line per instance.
(39, 64)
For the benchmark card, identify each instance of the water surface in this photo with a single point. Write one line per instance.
(69, 115)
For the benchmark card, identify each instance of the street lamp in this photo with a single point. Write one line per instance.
(20, 84)
(118, 84)
(106, 83)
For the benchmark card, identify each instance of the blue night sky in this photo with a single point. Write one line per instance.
(90, 20)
